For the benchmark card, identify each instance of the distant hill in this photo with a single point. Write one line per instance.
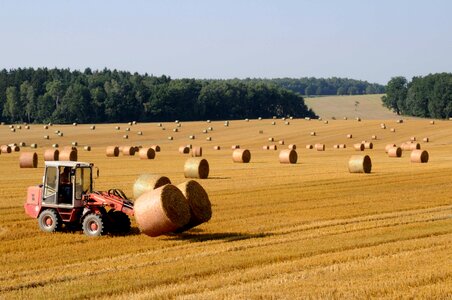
(369, 107)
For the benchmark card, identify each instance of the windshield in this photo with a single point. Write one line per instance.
(82, 182)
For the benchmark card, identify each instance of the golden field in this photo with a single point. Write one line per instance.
(309, 230)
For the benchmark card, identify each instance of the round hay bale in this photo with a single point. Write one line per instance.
(288, 156)
(112, 151)
(414, 146)
(51, 154)
(74, 144)
(22, 144)
(359, 164)
(287, 123)
(34, 146)
(270, 139)
(413, 138)
(392, 129)
(204, 131)
(309, 146)
(125, 136)
(176, 130)
(140, 132)
(191, 137)
(74, 124)
(196, 168)
(349, 136)
(176, 121)
(368, 145)
(273, 123)
(419, 156)
(345, 118)
(313, 133)
(46, 137)
(87, 148)
(161, 211)
(426, 140)
(127, 129)
(148, 182)
(11, 126)
(93, 127)
(336, 146)
(210, 128)
(208, 138)
(272, 147)
(118, 128)
(146, 153)
(159, 125)
(325, 122)
(130, 123)
(28, 160)
(241, 156)
(406, 146)
(50, 124)
(156, 148)
(5, 149)
(374, 137)
(60, 134)
(235, 147)
(190, 146)
(216, 148)
(342, 146)
(319, 147)
(128, 150)
(260, 118)
(68, 155)
(395, 152)
(358, 119)
(388, 146)
(134, 122)
(196, 151)
(13, 129)
(292, 147)
(184, 150)
(208, 121)
(432, 122)
(359, 147)
(399, 121)
(281, 142)
(170, 138)
(265, 147)
(45, 127)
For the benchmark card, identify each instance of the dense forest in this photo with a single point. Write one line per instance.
(429, 96)
(326, 86)
(65, 96)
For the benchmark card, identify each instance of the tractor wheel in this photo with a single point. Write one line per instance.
(49, 220)
(120, 222)
(93, 225)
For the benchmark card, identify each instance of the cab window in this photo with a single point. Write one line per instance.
(82, 182)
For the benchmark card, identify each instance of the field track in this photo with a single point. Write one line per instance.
(289, 231)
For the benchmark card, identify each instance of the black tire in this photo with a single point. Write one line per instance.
(93, 225)
(119, 222)
(49, 221)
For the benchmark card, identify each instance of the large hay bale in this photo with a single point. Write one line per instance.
(87, 148)
(359, 164)
(146, 153)
(51, 154)
(426, 140)
(34, 146)
(281, 142)
(319, 147)
(432, 122)
(265, 147)
(359, 147)
(399, 121)
(28, 160)
(336, 146)
(374, 137)
(198, 202)
(5, 149)
(349, 136)
(419, 156)
(68, 155)
(196, 168)
(93, 127)
(216, 147)
(148, 182)
(161, 211)
(112, 151)
(196, 151)
(414, 146)
(395, 152)
(405, 146)
(273, 147)
(55, 145)
(128, 150)
(388, 146)
(156, 148)
(170, 138)
(241, 156)
(184, 150)
(309, 146)
(342, 146)
(46, 137)
(288, 156)
(392, 129)
(313, 133)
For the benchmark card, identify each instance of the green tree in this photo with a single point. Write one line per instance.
(12, 107)
(396, 93)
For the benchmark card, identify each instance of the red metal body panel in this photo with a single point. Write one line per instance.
(70, 215)
(112, 201)
(34, 201)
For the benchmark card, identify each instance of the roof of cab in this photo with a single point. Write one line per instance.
(71, 164)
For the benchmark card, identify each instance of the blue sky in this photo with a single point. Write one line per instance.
(369, 40)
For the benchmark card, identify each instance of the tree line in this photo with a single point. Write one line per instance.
(63, 96)
(428, 97)
(310, 86)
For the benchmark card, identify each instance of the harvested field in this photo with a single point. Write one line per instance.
(305, 230)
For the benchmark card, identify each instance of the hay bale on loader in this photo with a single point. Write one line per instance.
(198, 202)
(196, 168)
(162, 210)
(148, 182)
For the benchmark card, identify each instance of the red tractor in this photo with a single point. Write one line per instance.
(66, 198)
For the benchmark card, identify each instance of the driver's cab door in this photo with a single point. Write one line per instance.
(50, 185)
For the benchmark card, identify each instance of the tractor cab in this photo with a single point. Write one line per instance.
(65, 183)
